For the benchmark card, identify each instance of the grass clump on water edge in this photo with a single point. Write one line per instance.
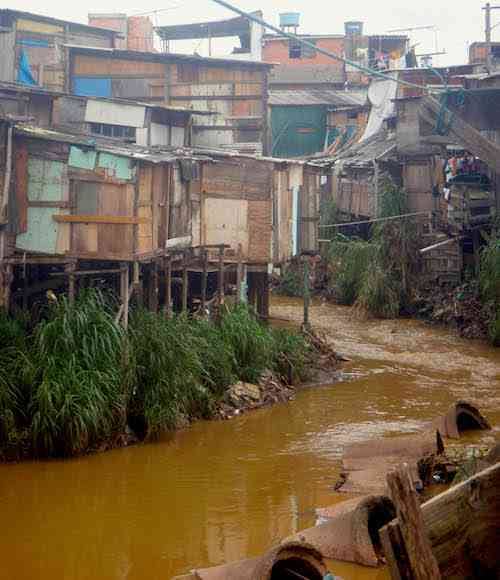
(75, 380)
(13, 366)
(79, 394)
(489, 280)
(168, 373)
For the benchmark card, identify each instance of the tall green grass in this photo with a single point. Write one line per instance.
(75, 380)
(78, 394)
(489, 279)
(168, 373)
(12, 367)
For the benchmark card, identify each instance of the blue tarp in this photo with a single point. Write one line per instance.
(92, 86)
(24, 74)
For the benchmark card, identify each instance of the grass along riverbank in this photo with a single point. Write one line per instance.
(76, 381)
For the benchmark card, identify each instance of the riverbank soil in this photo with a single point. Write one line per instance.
(223, 491)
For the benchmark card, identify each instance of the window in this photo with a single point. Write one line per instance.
(113, 131)
(298, 50)
(188, 73)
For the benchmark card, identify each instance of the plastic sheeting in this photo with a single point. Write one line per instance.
(24, 74)
(381, 95)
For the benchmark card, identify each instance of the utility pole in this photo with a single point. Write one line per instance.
(487, 33)
(487, 10)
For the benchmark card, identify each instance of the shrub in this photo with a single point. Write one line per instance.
(349, 261)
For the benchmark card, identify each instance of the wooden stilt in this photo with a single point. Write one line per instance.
(139, 294)
(185, 281)
(124, 292)
(25, 286)
(70, 269)
(155, 286)
(265, 296)
(239, 274)
(204, 280)
(168, 286)
(307, 295)
(9, 279)
(221, 275)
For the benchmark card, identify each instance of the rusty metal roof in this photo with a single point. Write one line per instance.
(305, 97)
(362, 154)
(158, 154)
(167, 57)
(8, 14)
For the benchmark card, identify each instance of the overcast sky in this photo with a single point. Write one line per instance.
(459, 24)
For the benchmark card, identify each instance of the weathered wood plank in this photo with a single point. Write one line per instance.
(463, 527)
(421, 559)
(101, 219)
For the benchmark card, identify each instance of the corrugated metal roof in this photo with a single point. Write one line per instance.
(363, 153)
(159, 154)
(8, 13)
(167, 57)
(37, 90)
(317, 97)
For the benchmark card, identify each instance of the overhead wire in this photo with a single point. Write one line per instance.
(296, 38)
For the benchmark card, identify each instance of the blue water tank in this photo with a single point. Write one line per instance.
(289, 19)
(353, 28)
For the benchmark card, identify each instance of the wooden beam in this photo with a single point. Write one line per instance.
(87, 272)
(101, 219)
(125, 292)
(423, 564)
(470, 138)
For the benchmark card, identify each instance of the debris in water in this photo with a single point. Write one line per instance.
(460, 417)
(366, 465)
(349, 531)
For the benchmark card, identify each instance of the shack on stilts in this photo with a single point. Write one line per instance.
(171, 228)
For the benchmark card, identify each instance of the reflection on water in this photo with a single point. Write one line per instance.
(221, 491)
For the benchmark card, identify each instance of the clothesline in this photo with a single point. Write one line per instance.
(373, 220)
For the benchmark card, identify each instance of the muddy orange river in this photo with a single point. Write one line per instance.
(222, 491)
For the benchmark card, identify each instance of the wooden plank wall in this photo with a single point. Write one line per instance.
(236, 96)
(246, 185)
(309, 210)
(418, 181)
(76, 205)
(352, 194)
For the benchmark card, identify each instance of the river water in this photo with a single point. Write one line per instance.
(222, 491)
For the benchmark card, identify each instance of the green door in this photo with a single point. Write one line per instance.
(298, 131)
